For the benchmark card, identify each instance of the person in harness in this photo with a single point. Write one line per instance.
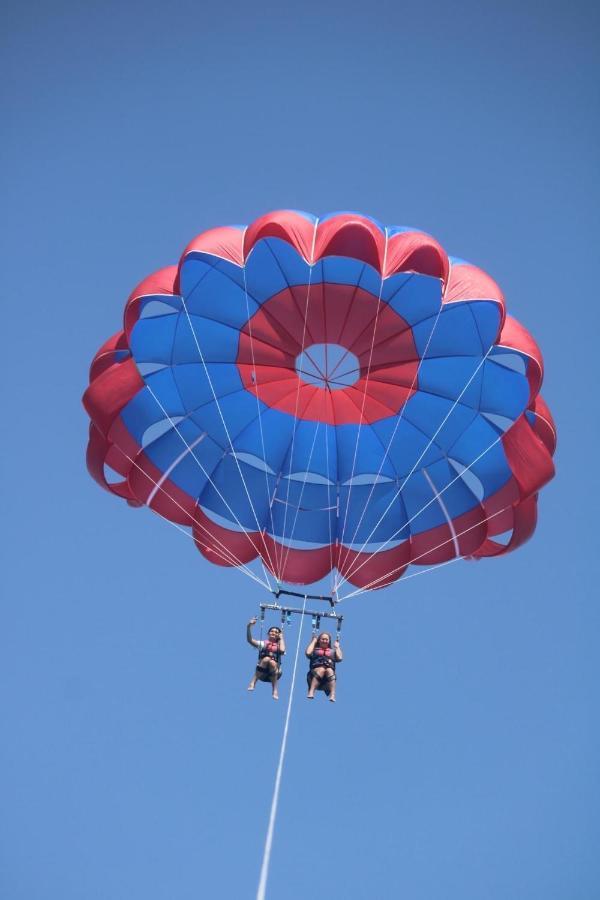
(323, 657)
(270, 652)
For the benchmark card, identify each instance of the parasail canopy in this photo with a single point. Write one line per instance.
(326, 395)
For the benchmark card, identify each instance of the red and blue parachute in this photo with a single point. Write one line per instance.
(327, 395)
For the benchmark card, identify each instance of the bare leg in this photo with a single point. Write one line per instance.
(317, 674)
(332, 684)
(253, 681)
(271, 668)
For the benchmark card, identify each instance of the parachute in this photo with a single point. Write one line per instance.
(326, 396)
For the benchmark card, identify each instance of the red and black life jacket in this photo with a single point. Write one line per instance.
(270, 649)
(322, 656)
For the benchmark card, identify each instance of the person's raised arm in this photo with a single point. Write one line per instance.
(338, 651)
(249, 638)
(281, 643)
(311, 646)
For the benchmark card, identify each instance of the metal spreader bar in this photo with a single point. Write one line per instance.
(331, 600)
(288, 611)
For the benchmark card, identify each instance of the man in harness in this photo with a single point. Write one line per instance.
(323, 657)
(270, 652)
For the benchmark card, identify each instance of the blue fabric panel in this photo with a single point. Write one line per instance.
(312, 526)
(504, 392)
(264, 276)
(492, 469)
(308, 451)
(195, 388)
(414, 297)
(341, 270)
(370, 453)
(219, 296)
(152, 338)
(277, 429)
(406, 446)
(487, 316)
(417, 494)
(324, 454)
(371, 504)
(195, 465)
(198, 266)
(217, 342)
(371, 281)
(237, 410)
(227, 479)
(455, 495)
(455, 334)
(307, 517)
(164, 386)
(427, 412)
(447, 377)
(293, 269)
(174, 301)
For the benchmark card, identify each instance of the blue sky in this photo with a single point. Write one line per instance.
(133, 764)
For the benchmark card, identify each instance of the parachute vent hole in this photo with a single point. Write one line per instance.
(330, 366)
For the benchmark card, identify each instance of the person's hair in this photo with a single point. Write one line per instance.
(324, 634)
(274, 628)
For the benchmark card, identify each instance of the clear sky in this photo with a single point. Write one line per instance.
(133, 764)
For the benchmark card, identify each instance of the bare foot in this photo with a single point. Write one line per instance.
(275, 696)
(310, 696)
(332, 699)
(251, 686)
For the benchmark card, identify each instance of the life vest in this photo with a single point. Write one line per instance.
(271, 650)
(322, 656)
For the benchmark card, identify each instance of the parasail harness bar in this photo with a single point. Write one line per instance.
(288, 611)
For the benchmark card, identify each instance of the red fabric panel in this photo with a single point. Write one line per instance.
(215, 542)
(361, 569)
(297, 566)
(286, 225)
(528, 458)
(350, 235)
(268, 366)
(414, 251)
(523, 521)
(225, 242)
(105, 357)
(97, 451)
(168, 500)
(515, 336)
(544, 425)
(110, 392)
(468, 282)
(160, 282)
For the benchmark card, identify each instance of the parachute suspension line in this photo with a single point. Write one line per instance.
(226, 554)
(306, 473)
(190, 450)
(413, 469)
(221, 416)
(366, 386)
(329, 507)
(264, 871)
(305, 318)
(424, 507)
(393, 435)
(375, 582)
(258, 407)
